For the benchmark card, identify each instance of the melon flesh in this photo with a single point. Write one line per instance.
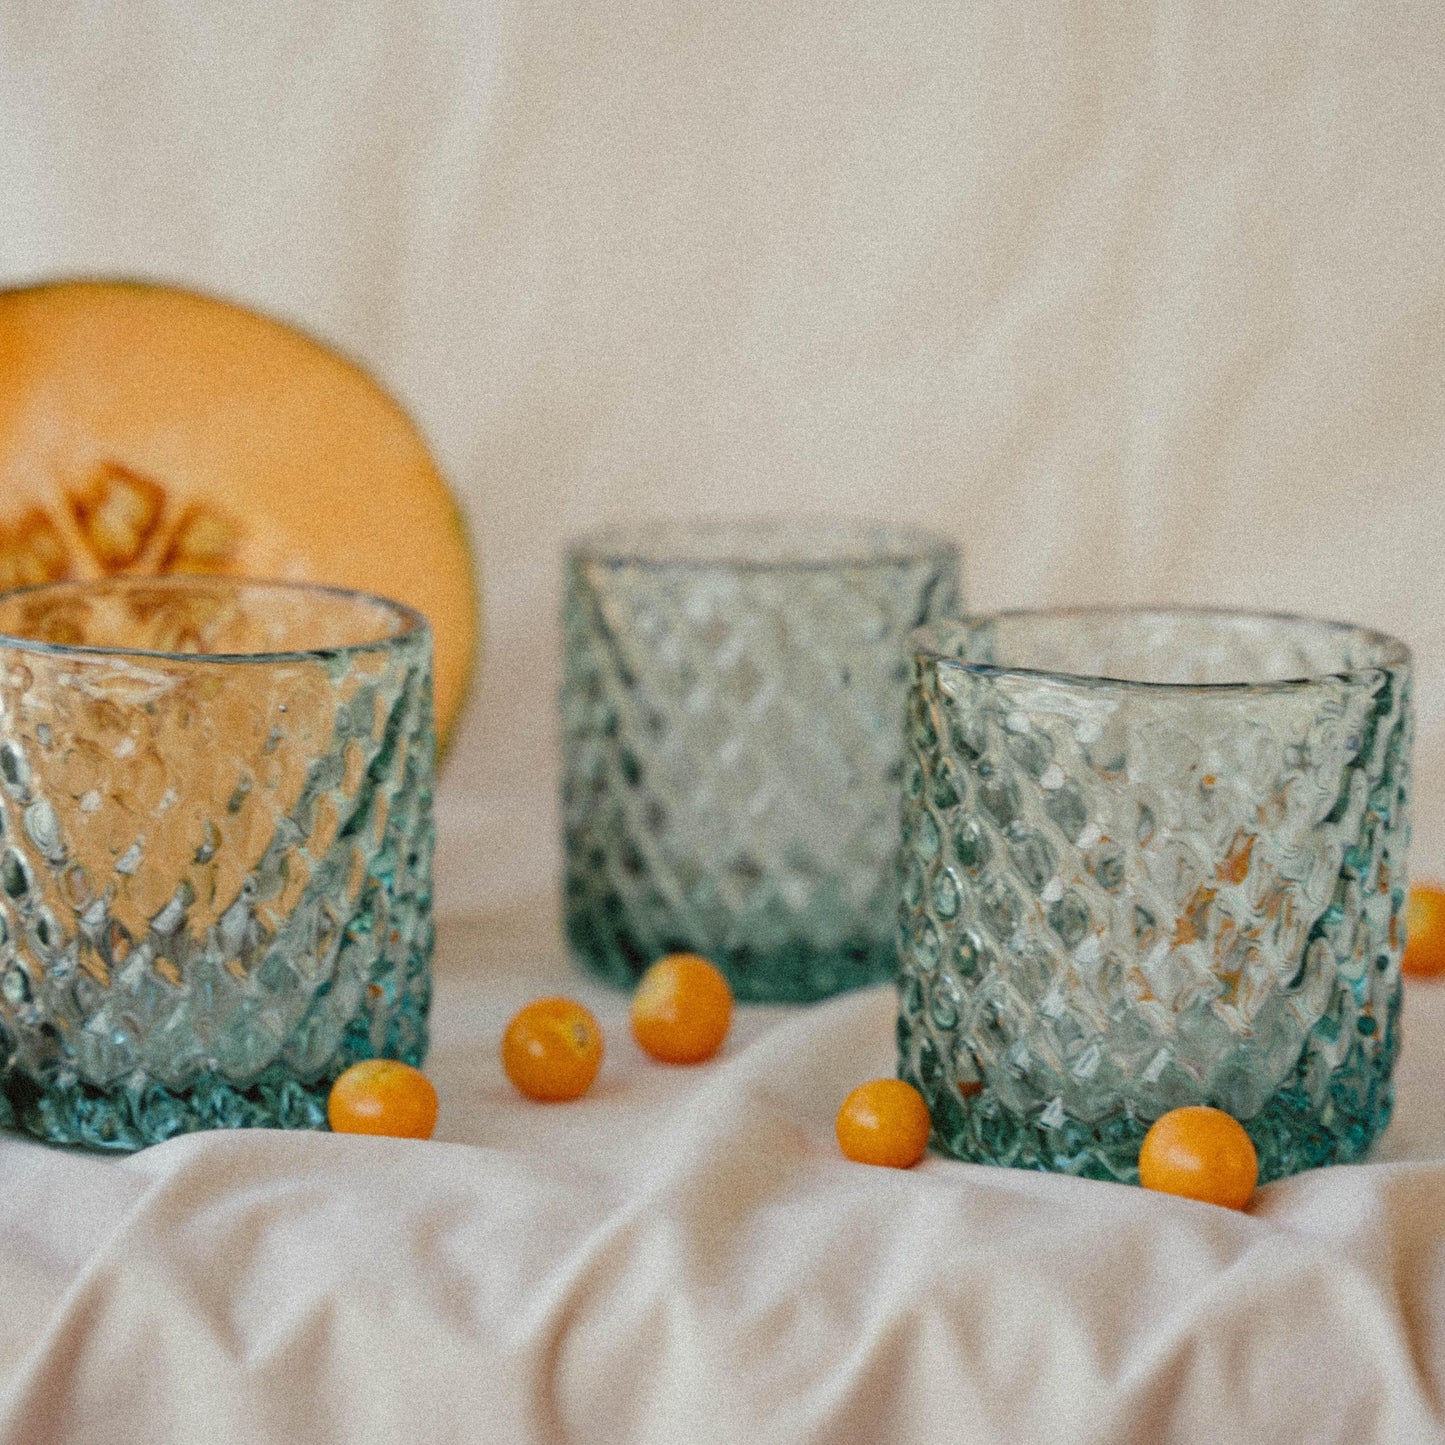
(147, 430)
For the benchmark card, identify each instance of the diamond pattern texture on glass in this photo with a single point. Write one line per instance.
(214, 876)
(732, 740)
(1119, 899)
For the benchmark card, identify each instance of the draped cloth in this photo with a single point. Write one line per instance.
(684, 1254)
(1140, 304)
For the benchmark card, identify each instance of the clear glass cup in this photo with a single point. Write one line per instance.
(1153, 859)
(732, 717)
(215, 868)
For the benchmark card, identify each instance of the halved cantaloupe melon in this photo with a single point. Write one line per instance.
(146, 429)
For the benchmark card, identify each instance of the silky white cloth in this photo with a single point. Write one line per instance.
(684, 1255)
(1140, 302)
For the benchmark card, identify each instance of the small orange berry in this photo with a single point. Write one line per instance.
(1200, 1153)
(884, 1121)
(1425, 931)
(383, 1096)
(682, 1009)
(552, 1050)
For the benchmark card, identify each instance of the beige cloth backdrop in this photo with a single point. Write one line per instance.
(1139, 302)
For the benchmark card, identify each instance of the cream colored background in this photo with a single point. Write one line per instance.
(1140, 302)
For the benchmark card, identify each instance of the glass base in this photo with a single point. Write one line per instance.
(141, 1111)
(796, 973)
(1296, 1130)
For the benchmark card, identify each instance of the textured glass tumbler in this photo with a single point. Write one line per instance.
(732, 712)
(1153, 859)
(215, 869)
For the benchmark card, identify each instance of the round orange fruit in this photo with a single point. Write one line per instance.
(552, 1050)
(682, 1009)
(383, 1096)
(1200, 1153)
(884, 1121)
(1425, 931)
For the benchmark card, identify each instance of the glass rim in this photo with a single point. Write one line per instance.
(865, 542)
(924, 644)
(407, 621)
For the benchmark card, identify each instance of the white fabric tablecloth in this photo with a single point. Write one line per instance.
(684, 1255)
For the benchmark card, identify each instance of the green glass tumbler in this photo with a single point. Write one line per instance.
(1153, 859)
(215, 868)
(732, 717)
